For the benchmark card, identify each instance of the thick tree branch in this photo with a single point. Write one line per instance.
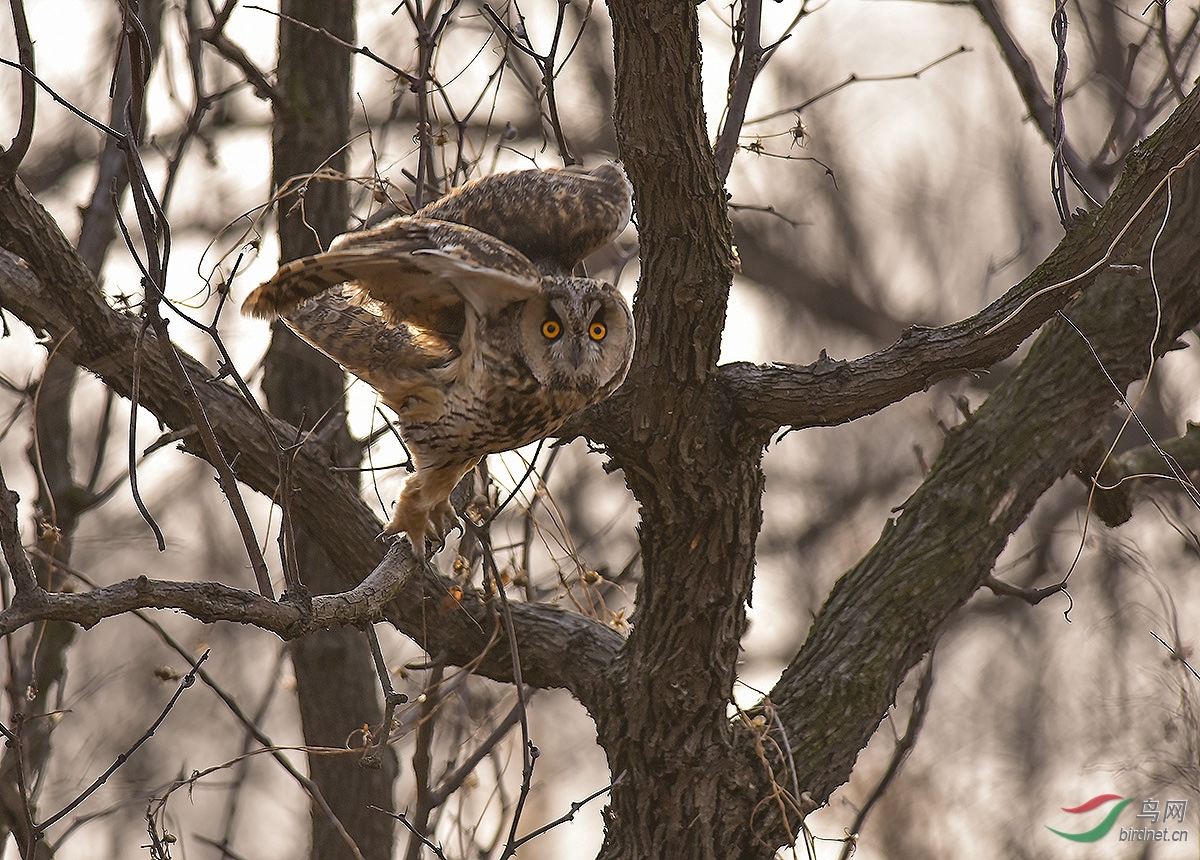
(830, 392)
(211, 601)
(683, 228)
(466, 628)
(884, 614)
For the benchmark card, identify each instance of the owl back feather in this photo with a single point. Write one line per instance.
(553, 217)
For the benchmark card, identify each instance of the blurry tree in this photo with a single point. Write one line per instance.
(692, 775)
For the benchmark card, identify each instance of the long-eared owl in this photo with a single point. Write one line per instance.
(468, 321)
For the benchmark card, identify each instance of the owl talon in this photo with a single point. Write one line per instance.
(443, 520)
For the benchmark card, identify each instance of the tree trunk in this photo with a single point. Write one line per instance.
(336, 685)
(700, 486)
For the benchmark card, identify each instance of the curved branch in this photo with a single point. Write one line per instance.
(830, 392)
(288, 618)
(558, 648)
(10, 159)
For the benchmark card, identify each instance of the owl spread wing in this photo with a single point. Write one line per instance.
(417, 271)
(394, 360)
(554, 217)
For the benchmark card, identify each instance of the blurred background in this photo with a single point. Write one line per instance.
(890, 174)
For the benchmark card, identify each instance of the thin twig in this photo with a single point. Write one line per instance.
(529, 752)
(546, 68)
(403, 819)
(251, 727)
(422, 758)
(570, 814)
(420, 88)
(549, 74)
(155, 229)
(749, 61)
(904, 745)
(854, 78)
(93, 122)
(391, 699)
(242, 768)
(1175, 655)
(453, 780)
(354, 49)
(188, 680)
(31, 829)
(10, 159)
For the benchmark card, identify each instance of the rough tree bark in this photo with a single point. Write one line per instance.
(694, 787)
(688, 435)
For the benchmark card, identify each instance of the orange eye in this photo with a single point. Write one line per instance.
(551, 329)
(597, 331)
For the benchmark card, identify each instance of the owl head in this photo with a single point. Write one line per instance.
(577, 334)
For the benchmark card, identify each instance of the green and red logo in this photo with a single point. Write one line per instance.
(1101, 829)
(1151, 824)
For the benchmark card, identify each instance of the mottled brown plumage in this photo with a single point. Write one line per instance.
(553, 217)
(466, 319)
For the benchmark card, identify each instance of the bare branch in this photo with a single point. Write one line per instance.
(212, 601)
(1032, 596)
(14, 556)
(904, 746)
(11, 158)
(254, 731)
(94, 123)
(154, 229)
(1037, 102)
(425, 840)
(831, 392)
(233, 53)
(855, 78)
(391, 699)
(576, 805)
(749, 62)
(188, 680)
(354, 49)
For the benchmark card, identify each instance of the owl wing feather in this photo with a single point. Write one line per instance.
(394, 360)
(577, 211)
(417, 271)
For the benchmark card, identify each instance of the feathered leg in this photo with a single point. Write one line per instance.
(423, 508)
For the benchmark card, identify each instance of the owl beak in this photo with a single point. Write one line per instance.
(574, 354)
